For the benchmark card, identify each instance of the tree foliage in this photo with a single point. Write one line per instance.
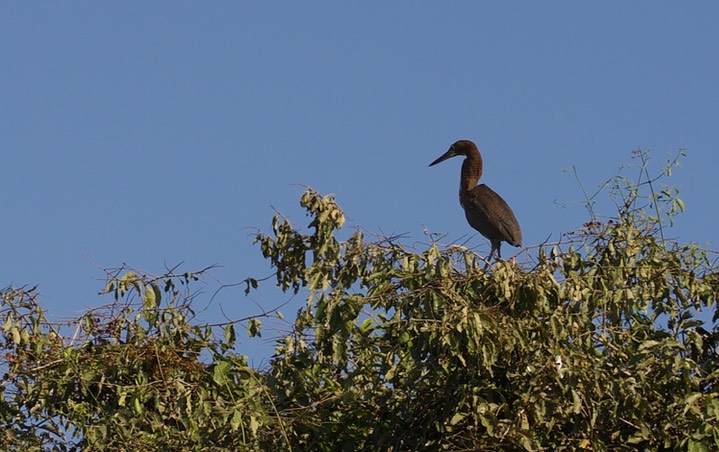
(594, 342)
(131, 377)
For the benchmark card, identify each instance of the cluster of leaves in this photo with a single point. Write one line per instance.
(135, 375)
(598, 346)
(595, 343)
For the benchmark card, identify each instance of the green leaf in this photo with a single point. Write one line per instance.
(150, 306)
(647, 345)
(220, 372)
(254, 425)
(577, 402)
(15, 332)
(230, 336)
(254, 327)
(690, 400)
(696, 446)
(680, 204)
(8, 323)
(457, 418)
(366, 324)
(236, 420)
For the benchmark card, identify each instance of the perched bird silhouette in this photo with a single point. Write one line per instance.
(486, 211)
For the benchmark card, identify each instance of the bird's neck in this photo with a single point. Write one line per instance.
(471, 172)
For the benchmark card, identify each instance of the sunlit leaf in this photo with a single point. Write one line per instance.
(8, 323)
(254, 327)
(15, 332)
(680, 204)
(220, 372)
(230, 335)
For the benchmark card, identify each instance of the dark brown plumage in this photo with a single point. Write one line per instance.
(486, 211)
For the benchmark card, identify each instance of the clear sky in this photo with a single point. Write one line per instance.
(155, 133)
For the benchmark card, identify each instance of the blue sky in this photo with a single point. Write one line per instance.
(154, 133)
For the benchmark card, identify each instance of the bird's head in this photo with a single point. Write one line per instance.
(461, 147)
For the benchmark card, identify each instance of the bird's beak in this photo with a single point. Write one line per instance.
(449, 154)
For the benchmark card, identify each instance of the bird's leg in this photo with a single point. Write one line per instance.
(495, 247)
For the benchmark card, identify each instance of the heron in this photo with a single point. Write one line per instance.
(485, 210)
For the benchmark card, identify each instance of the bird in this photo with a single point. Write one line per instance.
(485, 210)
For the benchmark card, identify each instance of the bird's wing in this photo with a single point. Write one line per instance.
(491, 215)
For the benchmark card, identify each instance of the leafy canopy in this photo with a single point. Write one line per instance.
(593, 343)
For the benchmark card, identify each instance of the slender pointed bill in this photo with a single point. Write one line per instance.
(449, 154)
